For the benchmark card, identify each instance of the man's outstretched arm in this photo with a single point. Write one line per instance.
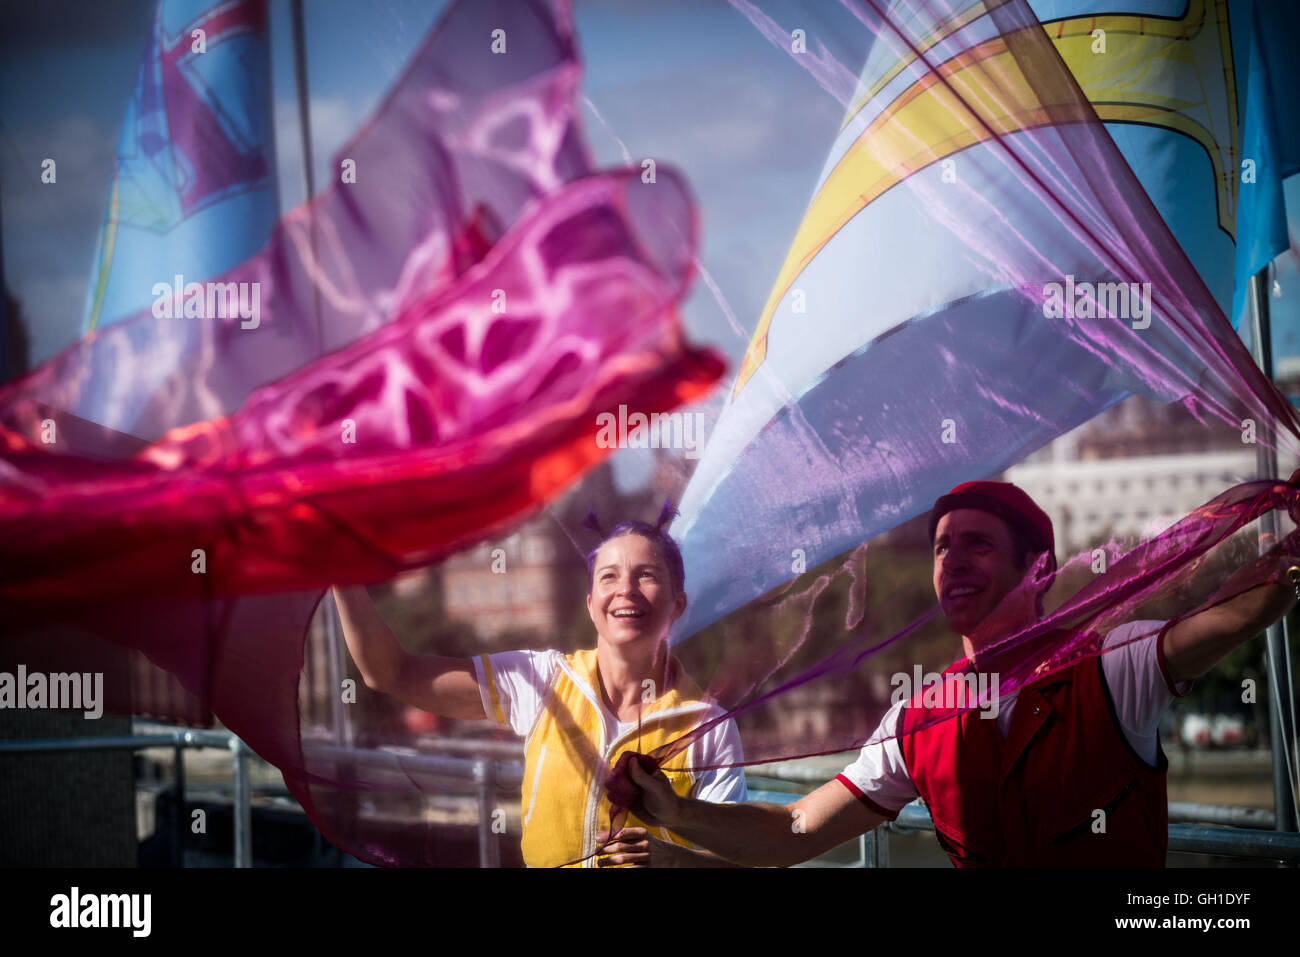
(756, 835)
(1193, 647)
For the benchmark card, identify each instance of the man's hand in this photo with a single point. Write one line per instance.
(1196, 644)
(1294, 481)
(658, 804)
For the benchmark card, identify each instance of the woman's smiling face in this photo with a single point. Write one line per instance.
(632, 594)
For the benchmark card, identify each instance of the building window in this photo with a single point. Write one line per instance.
(537, 550)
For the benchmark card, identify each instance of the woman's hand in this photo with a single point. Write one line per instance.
(634, 847)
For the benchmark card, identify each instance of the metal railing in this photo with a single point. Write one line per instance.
(177, 739)
(1193, 838)
(1247, 832)
(484, 775)
(491, 769)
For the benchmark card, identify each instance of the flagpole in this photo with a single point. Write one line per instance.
(1281, 723)
(8, 368)
(304, 136)
(329, 613)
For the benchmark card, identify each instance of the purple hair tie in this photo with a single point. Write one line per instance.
(666, 514)
(592, 523)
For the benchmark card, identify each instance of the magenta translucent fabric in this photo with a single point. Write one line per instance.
(435, 343)
(1019, 652)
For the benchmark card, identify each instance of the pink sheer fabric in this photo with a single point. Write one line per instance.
(1020, 647)
(435, 343)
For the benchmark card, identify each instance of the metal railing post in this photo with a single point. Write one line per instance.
(1282, 737)
(333, 629)
(874, 847)
(178, 852)
(489, 848)
(241, 805)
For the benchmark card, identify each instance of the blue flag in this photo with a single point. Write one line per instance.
(193, 189)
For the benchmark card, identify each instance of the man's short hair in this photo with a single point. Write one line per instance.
(1031, 528)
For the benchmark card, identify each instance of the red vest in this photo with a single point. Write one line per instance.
(1031, 800)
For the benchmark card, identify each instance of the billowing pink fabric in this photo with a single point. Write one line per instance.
(435, 343)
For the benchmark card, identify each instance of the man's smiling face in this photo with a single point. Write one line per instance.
(976, 565)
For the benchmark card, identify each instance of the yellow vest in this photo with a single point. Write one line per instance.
(563, 804)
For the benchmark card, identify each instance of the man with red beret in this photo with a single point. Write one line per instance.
(1070, 774)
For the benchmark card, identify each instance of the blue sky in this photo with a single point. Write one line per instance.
(687, 81)
(693, 85)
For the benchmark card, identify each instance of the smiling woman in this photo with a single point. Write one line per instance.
(579, 712)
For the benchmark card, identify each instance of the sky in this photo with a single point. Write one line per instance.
(692, 85)
(690, 82)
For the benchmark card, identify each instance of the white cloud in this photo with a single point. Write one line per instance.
(334, 120)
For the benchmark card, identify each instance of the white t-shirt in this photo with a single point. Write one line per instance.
(1138, 686)
(522, 678)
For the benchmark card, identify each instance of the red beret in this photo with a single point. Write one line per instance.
(1008, 502)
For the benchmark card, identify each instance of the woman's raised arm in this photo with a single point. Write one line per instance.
(443, 686)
